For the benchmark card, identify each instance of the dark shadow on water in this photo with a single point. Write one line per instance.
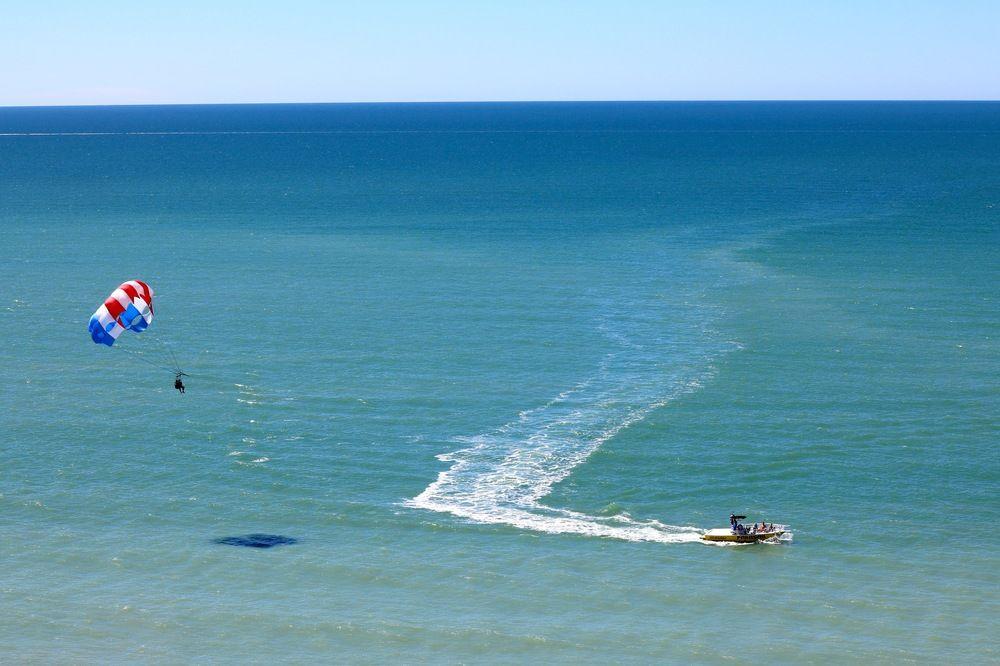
(257, 540)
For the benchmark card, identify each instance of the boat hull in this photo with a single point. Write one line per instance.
(728, 536)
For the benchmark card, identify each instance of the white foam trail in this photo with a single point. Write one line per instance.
(502, 476)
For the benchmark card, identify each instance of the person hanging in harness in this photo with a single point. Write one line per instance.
(178, 384)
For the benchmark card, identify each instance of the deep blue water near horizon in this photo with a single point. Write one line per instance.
(493, 367)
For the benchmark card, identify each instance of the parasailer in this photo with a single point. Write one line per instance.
(129, 307)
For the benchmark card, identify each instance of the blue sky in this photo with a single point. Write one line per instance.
(149, 51)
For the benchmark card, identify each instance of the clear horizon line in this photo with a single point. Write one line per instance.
(774, 100)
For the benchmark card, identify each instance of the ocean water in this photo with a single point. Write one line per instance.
(493, 368)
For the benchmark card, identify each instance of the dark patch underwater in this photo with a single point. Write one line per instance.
(257, 540)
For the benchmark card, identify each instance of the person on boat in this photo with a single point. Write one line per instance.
(732, 520)
(178, 384)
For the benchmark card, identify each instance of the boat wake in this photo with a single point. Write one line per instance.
(502, 476)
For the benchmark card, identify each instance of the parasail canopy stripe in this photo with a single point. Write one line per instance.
(130, 306)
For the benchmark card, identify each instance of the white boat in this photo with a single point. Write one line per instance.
(738, 533)
(727, 534)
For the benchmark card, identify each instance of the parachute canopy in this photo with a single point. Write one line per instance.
(129, 306)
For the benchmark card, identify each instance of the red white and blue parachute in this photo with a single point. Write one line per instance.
(130, 306)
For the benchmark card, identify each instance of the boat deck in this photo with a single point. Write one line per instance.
(727, 535)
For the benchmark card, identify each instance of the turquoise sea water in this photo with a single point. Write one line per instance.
(495, 367)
